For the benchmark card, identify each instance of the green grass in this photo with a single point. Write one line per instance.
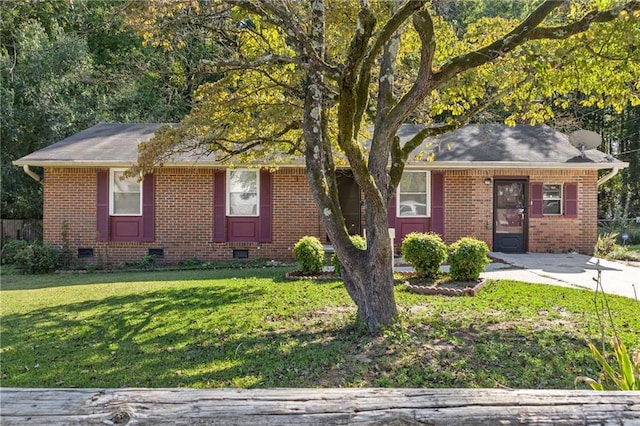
(633, 247)
(252, 328)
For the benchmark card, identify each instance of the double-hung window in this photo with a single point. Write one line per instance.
(552, 199)
(125, 194)
(242, 192)
(413, 194)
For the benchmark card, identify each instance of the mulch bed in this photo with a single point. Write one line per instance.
(442, 286)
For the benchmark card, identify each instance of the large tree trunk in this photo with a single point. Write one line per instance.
(368, 274)
(369, 281)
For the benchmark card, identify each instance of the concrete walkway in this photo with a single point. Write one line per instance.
(568, 270)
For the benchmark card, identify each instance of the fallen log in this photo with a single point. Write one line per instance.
(287, 406)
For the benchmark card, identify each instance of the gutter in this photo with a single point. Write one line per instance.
(608, 176)
(33, 175)
(432, 165)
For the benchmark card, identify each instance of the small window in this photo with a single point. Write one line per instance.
(240, 254)
(156, 252)
(85, 253)
(552, 199)
(125, 194)
(413, 194)
(242, 192)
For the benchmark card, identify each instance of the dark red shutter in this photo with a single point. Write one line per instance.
(265, 207)
(219, 206)
(571, 199)
(437, 203)
(391, 212)
(102, 205)
(537, 205)
(148, 208)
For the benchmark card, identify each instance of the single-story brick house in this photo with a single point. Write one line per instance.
(522, 188)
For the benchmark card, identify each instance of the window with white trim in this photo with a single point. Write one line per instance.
(242, 192)
(413, 199)
(125, 194)
(552, 199)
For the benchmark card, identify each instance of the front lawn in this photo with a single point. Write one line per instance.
(252, 328)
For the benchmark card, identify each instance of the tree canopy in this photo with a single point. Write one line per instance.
(66, 66)
(262, 68)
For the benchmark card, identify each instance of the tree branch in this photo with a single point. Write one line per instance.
(348, 96)
(400, 154)
(422, 85)
(381, 40)
(263, 60)
(528, 30)
(282, 18)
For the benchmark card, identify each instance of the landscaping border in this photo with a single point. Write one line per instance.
(321, 406)
(444, 290)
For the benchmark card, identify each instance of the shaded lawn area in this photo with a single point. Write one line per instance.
(252, 328)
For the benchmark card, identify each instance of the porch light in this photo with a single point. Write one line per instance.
(487, 181)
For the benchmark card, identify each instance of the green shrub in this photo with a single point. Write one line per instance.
(10, 249)
(425, 252)
(467, 259)
(358, 242)
(148, 261)
(605, 244)
(623, 253)
(37, 259)
(309, 254)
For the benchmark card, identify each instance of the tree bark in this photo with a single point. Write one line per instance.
(368, 277)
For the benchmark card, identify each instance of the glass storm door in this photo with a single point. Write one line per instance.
(509, 216)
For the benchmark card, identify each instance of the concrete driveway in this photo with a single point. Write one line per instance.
(569, 270)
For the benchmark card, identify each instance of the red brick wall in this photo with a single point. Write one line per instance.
(184, 214)
(69, 198)
(469, 209)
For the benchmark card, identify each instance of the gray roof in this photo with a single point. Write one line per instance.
(483, 144)
(104, 143)
(472, 146)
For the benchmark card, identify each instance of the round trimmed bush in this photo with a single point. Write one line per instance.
(467, 259)
(309, 254)
(358, 242)
(425, 252)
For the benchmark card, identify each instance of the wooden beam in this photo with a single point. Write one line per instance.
(284, 406)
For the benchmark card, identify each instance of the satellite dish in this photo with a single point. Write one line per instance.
(585, 139)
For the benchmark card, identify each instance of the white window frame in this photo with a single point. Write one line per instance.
(428, 195)
(228, 192)
(112, 173)
(559, 199)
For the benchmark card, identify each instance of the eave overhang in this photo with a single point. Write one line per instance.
(428, 165)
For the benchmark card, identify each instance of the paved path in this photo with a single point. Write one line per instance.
(568, 270)
(571, 270)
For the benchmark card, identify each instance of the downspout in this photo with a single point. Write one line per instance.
(608, 176)
(33, 175)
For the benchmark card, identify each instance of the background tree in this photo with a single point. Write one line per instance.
(65, 66)
(619, 197)
(312, 77)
